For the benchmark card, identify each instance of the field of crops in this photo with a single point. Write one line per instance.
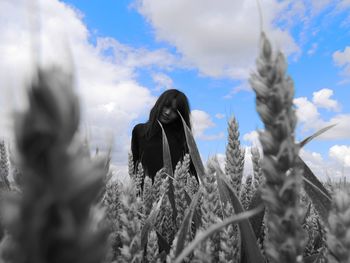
(61, 205)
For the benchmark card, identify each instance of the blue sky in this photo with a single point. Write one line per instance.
(128, 52)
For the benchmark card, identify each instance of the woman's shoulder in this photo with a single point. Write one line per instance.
(139, 129)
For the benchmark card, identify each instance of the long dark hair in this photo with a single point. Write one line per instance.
(165, 99)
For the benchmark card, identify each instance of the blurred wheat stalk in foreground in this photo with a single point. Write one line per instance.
(51, 220)
(274, 101)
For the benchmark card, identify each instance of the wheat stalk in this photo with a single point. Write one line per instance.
(247, 192)
(111, 202)
(203, 253)
(211, 209)
(339, 226)
(152, 247)
(258, 175)
(229, 243)
(139, 177)
(210, 200)
(130, 226)
(192, 185)
(148, 196)
(234, 156)
(167, 228)
(158, 178)
(131, 168)
(53, 220)
(274, 103)
(4, 167)
(181, 174)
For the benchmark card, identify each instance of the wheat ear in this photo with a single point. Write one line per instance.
(274, 103)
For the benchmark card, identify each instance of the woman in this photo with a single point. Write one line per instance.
(146, 142)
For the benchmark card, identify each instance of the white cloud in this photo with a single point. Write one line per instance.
(313, 49)
(295, 12)
(310, 16)
(314, 156)
(219, 38)
(342, 59)
(335, 166)
(319, 5)
(323, 168)
(6, 123)
(342, 128)
(162, 81)
(343, 4)
(221, 159)
(212, 137)
(110, 96)
(248, 168)
(310, 119)
(322, 99)
(219, 116)
(253, 138)
(244, 86)
(340, 153)
(135, 57)
(314, 160)
(307, 112)
(248, 165)
(202, 121)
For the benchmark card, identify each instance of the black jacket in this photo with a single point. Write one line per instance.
(149, 151)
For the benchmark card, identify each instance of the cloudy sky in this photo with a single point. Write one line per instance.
(125, 53)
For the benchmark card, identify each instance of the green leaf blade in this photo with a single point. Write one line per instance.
(318, 133)
(201, 237)
(149, 223)
(318, 194)
(193, 149)
(249, 241)
(186, 225)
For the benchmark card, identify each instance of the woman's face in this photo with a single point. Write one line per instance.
(168, 113)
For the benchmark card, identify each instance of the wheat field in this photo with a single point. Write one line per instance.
(61, 205)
